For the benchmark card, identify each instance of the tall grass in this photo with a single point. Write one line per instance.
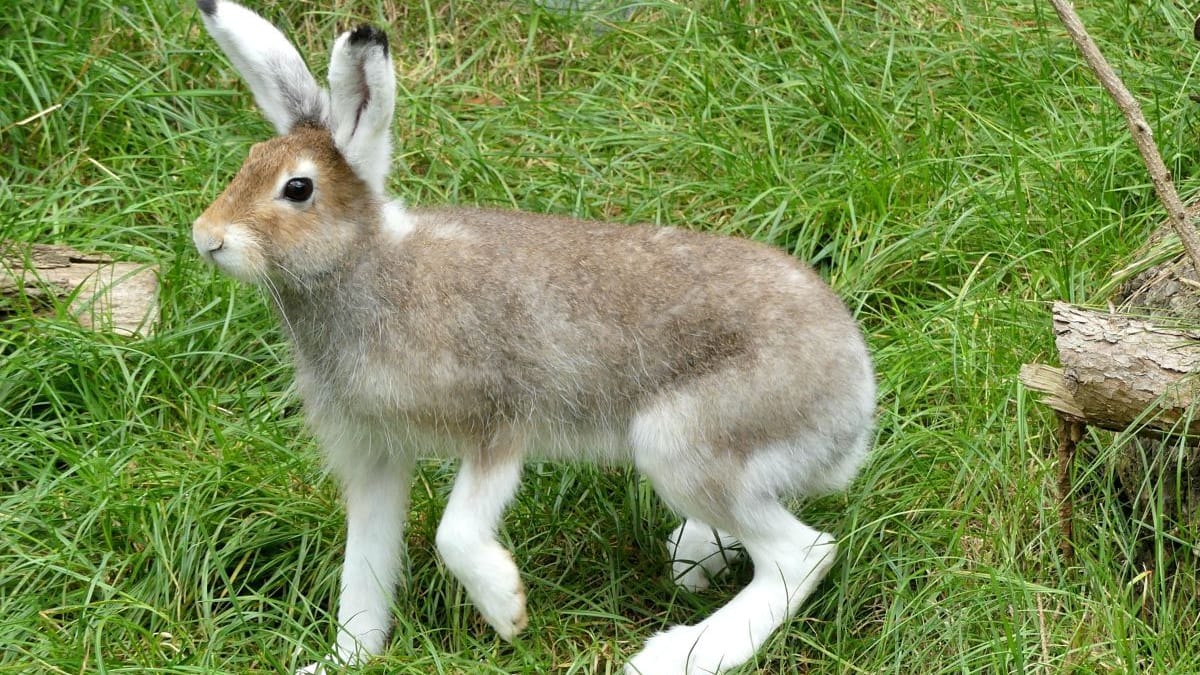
(949, 166)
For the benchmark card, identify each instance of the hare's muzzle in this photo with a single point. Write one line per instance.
(231, 248)
(208, 239)
(207, 244)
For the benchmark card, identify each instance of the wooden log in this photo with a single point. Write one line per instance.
(100, 293)
(1120, 371)
(1048, 381)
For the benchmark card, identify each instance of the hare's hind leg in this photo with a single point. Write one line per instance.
(721, 488)
(789, 558)
(700, 553)
(466, 537)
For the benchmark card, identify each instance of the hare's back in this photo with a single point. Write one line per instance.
(631, 273)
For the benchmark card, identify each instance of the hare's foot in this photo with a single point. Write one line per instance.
(699, 554)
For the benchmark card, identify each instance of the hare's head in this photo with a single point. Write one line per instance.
(301, 199)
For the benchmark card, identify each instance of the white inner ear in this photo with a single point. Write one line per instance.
(302, 168)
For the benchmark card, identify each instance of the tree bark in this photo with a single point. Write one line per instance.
(101, 294)
(1124, 373)
(1123, 370)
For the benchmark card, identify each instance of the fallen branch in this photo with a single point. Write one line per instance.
(1138, 127)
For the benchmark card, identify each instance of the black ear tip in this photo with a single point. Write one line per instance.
(368, 33)
(209, 7)
(1196, 29)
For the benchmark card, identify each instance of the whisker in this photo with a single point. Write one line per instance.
(299, 282)
(273, 291)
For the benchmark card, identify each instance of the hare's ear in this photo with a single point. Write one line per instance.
(283, 87)
(362, 85)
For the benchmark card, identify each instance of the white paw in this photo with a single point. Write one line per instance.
(690, 576)
(312, 669)
(688, 650)
(820, 556)
(501, 597)
(337, 662)
(699, 554)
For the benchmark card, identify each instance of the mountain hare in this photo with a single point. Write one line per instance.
(724, 370)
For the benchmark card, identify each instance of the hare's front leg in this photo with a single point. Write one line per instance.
(466, 537)
(376, 508)
(376, 494)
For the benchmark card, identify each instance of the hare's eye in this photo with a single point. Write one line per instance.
(298, 189)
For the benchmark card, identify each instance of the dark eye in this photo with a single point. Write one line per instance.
(298, 189)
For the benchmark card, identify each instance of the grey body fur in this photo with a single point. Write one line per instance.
(483, 320)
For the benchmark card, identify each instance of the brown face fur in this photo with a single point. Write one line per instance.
(253, 233)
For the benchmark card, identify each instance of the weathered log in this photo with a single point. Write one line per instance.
(1048, 381)
(1119, 371)
(100, 293)
(1123, 370)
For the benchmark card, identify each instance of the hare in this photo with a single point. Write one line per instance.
(725, 371)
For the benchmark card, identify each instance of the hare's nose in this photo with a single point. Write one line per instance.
(207, 243)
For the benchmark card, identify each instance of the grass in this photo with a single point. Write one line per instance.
(949, 166)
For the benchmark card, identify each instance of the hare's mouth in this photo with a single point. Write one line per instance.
(208, 245)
